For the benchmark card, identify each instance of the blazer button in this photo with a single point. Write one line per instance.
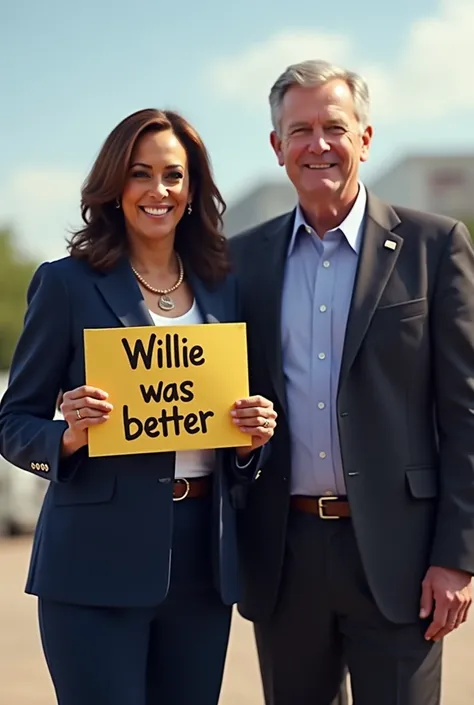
(37, 466)
(46, 467)
(33, 466)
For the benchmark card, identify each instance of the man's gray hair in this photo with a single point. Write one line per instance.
(316, 73)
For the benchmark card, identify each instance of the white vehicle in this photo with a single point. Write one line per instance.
(21, 494)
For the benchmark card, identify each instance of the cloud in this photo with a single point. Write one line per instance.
(42, 204)
(250, 74)
(430, 78)
(433, 76)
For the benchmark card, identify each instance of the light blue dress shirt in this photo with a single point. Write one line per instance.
(317, 292)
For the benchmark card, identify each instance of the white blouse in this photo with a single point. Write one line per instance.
(189, 463)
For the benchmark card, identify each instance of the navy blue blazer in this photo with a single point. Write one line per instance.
(105, 529)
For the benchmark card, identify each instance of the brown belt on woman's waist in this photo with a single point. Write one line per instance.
(184, 488)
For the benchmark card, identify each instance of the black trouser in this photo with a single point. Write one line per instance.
(171, 654)
(326, 618)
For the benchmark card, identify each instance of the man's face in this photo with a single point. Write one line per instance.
(320, 142)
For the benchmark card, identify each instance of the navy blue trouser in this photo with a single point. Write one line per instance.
(171, 654)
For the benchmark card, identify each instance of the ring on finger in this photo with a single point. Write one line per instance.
(266, 423)
(78, 414)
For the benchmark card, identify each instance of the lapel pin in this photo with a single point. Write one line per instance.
(390, 245)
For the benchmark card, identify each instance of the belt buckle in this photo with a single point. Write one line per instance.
(182, 480)
(321, 505)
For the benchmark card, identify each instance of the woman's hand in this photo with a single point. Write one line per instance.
(257, 417)
(82, 408)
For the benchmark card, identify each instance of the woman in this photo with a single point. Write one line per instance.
(135, 591)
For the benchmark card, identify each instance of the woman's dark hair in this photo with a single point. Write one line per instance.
(199, 239)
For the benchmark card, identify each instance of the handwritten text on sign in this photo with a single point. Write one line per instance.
(172, 388)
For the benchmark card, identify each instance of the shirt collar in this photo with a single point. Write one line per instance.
(351, 226)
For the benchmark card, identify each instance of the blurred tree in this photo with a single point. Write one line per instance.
(15, 275)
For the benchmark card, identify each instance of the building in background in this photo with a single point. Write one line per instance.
(262, 203)
(440, 184)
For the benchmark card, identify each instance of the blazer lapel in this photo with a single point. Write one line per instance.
(379, 253)
(120, 290)
(209, 299)
(122, 293)
(271, 272)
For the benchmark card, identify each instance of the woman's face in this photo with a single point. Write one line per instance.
(157, 190)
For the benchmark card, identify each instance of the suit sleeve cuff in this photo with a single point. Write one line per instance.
(248, 471)
(243, 466)
(62, 469)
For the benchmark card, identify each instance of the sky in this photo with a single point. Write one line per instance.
(69, 72)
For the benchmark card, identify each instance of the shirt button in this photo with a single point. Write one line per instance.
(322, 454)
(323, 308)
(326, 264)
(321, 405)
(322, 356)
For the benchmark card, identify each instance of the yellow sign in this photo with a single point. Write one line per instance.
(172, 388)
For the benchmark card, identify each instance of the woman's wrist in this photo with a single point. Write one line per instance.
(244, 453)
(69, 444)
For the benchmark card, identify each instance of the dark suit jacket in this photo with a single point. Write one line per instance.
(405, 404)
(105, 529)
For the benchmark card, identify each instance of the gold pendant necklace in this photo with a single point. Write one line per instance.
(165, 302)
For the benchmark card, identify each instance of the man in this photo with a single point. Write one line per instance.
(358, 539)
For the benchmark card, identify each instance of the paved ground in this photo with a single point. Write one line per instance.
(24, 681)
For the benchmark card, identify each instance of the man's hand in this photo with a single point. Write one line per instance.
(450, 593)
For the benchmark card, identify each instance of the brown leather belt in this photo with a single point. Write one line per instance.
(323, 507)
(192, 488)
